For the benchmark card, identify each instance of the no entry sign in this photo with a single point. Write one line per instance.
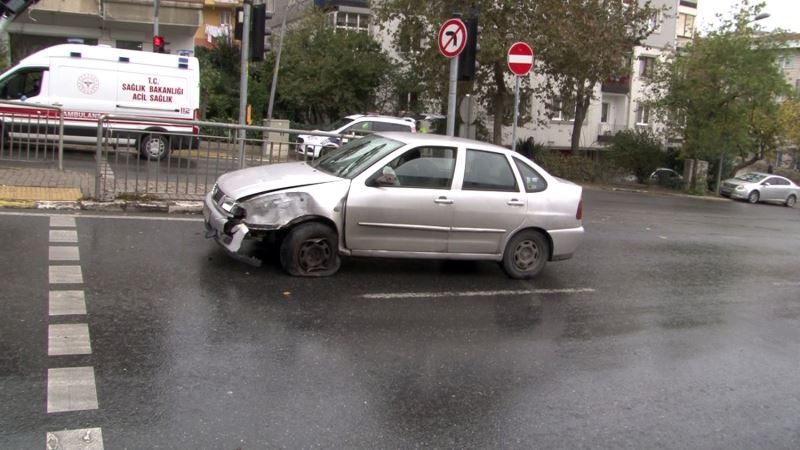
(520, 58)
(452, 38)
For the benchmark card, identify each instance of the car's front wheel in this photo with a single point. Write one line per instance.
(526, 254)
(789, 203)
(753, 197)
(154, 146)
(310, 250)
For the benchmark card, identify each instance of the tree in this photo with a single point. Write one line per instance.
(327, 73)
(721, 92)
(581, 43)
(425, 71)
(788, 119)
(577, 43)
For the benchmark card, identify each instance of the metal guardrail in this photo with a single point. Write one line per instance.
(31, 132)
(194, 161)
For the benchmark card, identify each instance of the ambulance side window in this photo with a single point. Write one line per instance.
(21, 85)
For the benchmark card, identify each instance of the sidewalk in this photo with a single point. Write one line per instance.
(34, 186)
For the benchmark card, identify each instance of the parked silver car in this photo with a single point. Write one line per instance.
(761, 187)
(401, 195)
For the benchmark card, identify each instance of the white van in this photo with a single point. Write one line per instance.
(87, 81)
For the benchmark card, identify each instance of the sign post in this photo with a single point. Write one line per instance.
(520, 62)
(452, 40)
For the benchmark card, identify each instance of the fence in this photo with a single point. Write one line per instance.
(128, 166)
(31, 132)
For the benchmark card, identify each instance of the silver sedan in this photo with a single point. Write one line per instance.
(401, 195)
(761, 187)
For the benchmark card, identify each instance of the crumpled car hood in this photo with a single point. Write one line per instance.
(273, 177)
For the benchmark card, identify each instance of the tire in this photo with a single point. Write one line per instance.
(790, 202)
(753, 197)
(154, 146)
(526, 255)
(310, 249)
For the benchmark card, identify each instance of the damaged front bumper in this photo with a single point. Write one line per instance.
(227, 231)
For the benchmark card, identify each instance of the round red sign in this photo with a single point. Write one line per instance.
(520, 58)
(452, 37)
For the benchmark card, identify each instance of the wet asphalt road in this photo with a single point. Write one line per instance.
(676, 325)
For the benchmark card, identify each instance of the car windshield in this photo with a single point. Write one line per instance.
(335, 125)
(751, 177)
(355, 156)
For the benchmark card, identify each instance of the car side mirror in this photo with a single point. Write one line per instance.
(765, 184)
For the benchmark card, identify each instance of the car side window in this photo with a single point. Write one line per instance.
(388, 126)
(488, 171)
(22, 85)
(420, 167)
(531, 179)
(359, 128)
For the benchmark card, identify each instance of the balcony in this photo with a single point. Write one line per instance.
(607, 131)
(617, 85)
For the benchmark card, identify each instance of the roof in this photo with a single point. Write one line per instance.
(440, 139)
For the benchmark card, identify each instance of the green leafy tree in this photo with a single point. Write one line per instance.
(426, 72)
(720, 93)
(577, 43)
(327, 73)
(581, 43)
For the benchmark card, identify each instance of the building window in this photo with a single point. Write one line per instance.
(129, 45)
(604, 110)
(410, 36)
(685, 25)
(797, 85)
(562, 109)
(646, 66)
(643, 115)
(350, 21)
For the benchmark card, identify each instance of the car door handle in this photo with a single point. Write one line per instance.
(515, 202)
(443, 201)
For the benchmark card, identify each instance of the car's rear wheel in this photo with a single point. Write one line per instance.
(526, 254)
(753, 197)
(310, 250)
(154, 146)
(790, 202)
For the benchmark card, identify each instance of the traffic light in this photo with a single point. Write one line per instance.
(260, 35)
(466, 61)
(158, 44)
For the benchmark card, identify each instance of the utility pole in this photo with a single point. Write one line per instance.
(156, 4)
(243, 80)
(277, 62)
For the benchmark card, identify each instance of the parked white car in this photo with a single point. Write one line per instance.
(314, 146)
(761, 187)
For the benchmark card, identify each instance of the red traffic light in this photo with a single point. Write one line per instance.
(158, 44)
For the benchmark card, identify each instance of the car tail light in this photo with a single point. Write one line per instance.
(579, 213)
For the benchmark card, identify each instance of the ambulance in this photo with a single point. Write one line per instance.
(87, 81)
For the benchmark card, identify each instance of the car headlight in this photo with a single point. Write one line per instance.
(227, 204)
(740, 188)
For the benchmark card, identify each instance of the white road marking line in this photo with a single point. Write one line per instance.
(85, 439)
(391, 295)
(64, 254)
(71, 389)
(786, 283)
(68, 236)
(68, 339)
(101, 216)
(66, 275)
(64, 303)
(62, 221)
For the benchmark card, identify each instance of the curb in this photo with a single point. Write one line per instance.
(170, 207)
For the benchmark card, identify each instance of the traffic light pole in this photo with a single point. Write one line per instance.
(156, 5)
(277, 63)
(243, 80)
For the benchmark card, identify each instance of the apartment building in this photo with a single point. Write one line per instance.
(118, 23)
(218, 21)
(619, 105)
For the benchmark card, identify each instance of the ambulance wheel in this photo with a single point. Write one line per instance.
(154, 146)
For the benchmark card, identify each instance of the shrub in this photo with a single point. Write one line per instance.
(638, 151)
